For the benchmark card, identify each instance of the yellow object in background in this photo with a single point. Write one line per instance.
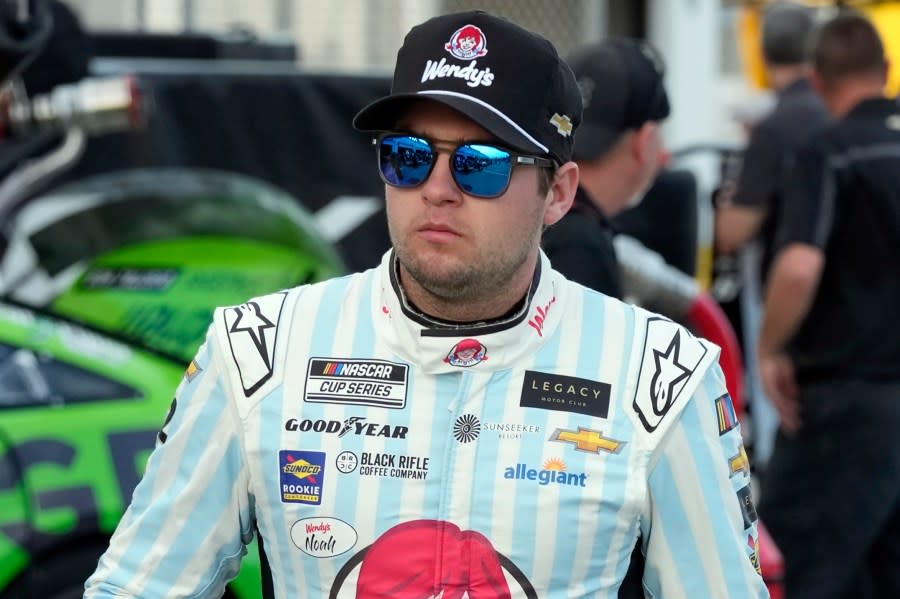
(885, 16)
(749, 21)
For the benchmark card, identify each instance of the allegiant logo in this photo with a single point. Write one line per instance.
(553, 472)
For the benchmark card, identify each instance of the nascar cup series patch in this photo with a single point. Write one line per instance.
(371, 383)
(671, 356)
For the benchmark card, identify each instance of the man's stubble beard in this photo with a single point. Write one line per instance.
(472, 281)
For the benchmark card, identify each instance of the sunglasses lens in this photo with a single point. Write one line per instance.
(404, 160)
(481, 170)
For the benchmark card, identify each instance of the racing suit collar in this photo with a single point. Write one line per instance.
(438, 346)
(438, 327)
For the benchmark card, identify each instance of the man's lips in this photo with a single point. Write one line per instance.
(438, 232)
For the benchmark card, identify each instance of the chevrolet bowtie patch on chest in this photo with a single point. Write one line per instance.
(587, 440)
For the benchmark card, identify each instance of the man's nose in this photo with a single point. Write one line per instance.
(440, 187)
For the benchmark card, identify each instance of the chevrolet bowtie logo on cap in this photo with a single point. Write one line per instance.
(587, 440)
(562, 123)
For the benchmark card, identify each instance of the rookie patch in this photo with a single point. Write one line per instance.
(671, 356)
(371, 383)
(302, 476)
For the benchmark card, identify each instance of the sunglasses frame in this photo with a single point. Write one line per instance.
(516, 159)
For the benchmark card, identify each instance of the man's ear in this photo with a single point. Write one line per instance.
(561, 193)
(642, 143)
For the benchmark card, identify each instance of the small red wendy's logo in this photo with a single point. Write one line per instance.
(467, 43)
(467, 352)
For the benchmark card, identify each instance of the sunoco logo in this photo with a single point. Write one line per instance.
(355, 425)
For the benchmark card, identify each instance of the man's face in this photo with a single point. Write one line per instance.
(654, 158)
(454, 246)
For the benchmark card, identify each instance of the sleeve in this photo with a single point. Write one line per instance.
(761, 168)
(700, 534)
(185, 532)
(808, 212)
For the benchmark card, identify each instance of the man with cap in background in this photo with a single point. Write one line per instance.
(751, 207)
(748, 209)
(460, 421)
(613, 151)
(619, 152)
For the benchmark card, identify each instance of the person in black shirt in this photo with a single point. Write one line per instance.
(619, 152)
(751, 208)
(829, 347)
(748, 209)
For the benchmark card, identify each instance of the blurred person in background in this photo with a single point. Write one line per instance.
(829, 346)
(748, 206)
(751, 207)
(460, 421)
(619, 152)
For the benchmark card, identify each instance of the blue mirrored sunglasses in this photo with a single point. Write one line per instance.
(480, 170)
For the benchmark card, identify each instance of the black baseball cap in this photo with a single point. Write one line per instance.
(507, 79)
(621, 83)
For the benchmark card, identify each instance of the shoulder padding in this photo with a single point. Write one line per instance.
(250, 334)
(670, 363)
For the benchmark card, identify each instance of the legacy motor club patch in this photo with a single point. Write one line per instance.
(671, 357)
(565, 394)
(372, 383)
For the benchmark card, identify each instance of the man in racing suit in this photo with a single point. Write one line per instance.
(460, 421)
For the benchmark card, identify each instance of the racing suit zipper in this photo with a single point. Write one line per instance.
(454, 409)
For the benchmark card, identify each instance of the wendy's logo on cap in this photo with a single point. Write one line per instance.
(467, 352)
(467, 43)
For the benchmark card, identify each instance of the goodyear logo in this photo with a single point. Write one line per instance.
(302, 476)
(371, 383)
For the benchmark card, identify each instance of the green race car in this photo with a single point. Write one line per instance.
(110, 285)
